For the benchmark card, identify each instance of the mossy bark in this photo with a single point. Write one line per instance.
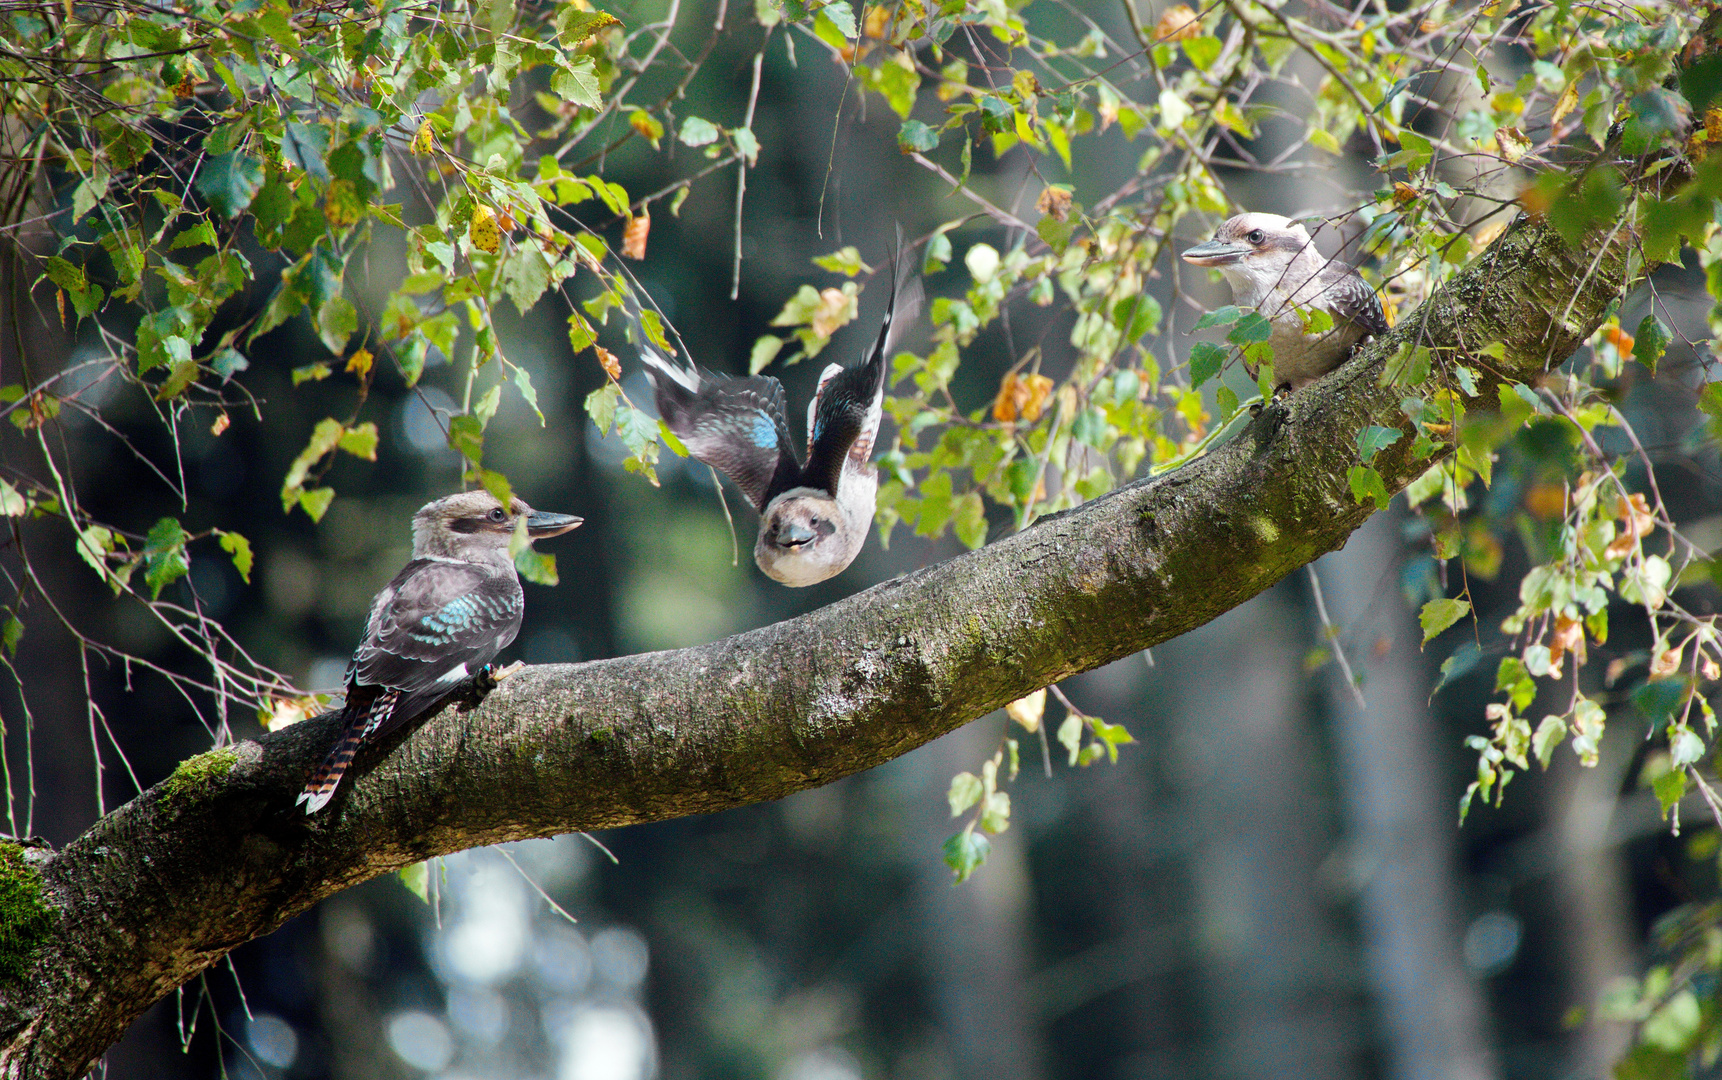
(164, 886)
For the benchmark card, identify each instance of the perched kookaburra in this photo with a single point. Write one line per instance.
(437, 624)
(813, 517)
(1273, 267)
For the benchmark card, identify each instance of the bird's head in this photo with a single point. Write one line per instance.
(1253, 246)
(476, 523)
(803, 538)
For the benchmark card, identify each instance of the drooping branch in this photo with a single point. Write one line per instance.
(214, 856)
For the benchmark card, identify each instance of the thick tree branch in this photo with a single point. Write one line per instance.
(166, 885)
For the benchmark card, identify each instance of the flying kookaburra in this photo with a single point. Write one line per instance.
(1273, 266)
(814, 517)
(442, 619)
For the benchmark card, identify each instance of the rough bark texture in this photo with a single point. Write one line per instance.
(164, 886)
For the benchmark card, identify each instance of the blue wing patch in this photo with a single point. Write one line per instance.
(764, 432)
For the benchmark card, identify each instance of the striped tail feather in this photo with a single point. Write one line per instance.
(320, 788)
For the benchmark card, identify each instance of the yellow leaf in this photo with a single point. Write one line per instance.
(1028, 711)
(360, 363)
(424, 141)
(1567, 103)
(483, 232)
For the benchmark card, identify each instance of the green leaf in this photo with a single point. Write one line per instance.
(698, 132)
(229, 182)
(12, 634)
(361, 441)
(969, 520)
(1374, 439)
(1252, 327)
(765, 350)
(537, 567)
(1223, 316)
(965, 853)
(466, 434)
(1513, 679)
(523, 383)
(1070, 735)
(1206, 359)
(965, 792)
(915, 137)
(311, 373)
(336, 321)
(315, 502)
(577, 83)
(306, 145)
(164, 556)
(417, 877)
(1549, 735)
(240, 548)
(1366, 483)
(1407, 367)
(1438, 615)
(1650, 342)
(601, 406)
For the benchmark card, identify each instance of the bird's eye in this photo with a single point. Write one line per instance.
(496, 514)
(1256, 236)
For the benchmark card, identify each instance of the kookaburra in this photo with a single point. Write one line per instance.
(814, 517)
(1273, 266)
(440, 622)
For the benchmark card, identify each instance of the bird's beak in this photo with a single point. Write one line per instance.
(1215, 253)
(540, 524)
(793, 535)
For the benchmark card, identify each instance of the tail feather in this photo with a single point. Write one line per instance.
(320, 788)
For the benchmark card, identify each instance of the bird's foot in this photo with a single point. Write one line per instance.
(479, 686)
(506, 670)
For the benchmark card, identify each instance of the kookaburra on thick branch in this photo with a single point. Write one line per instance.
(814, 517)
(442, 619)
(1274, 267)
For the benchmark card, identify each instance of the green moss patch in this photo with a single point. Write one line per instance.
(25, 918)
(197, 773)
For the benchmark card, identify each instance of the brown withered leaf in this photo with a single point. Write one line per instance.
(1665, 662)
(612, 366)
(634, 236)
(1178, 23)
(1054, 201)
(1403, 194)
(1567, 638)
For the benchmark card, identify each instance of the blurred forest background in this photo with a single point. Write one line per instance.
(1270, 883)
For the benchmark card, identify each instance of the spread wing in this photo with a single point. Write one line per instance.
(434, 626)
(843, 418)
(735, 425)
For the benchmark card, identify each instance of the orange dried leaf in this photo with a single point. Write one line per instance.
(1665, 662)
(606, 358)
(1403, 194)
(1619, 338)
(634, 236)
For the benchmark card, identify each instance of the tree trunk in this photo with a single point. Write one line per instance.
(165, 885)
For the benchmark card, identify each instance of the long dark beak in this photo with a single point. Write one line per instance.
(541, 524)
(793, 535)
(1215, 253)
